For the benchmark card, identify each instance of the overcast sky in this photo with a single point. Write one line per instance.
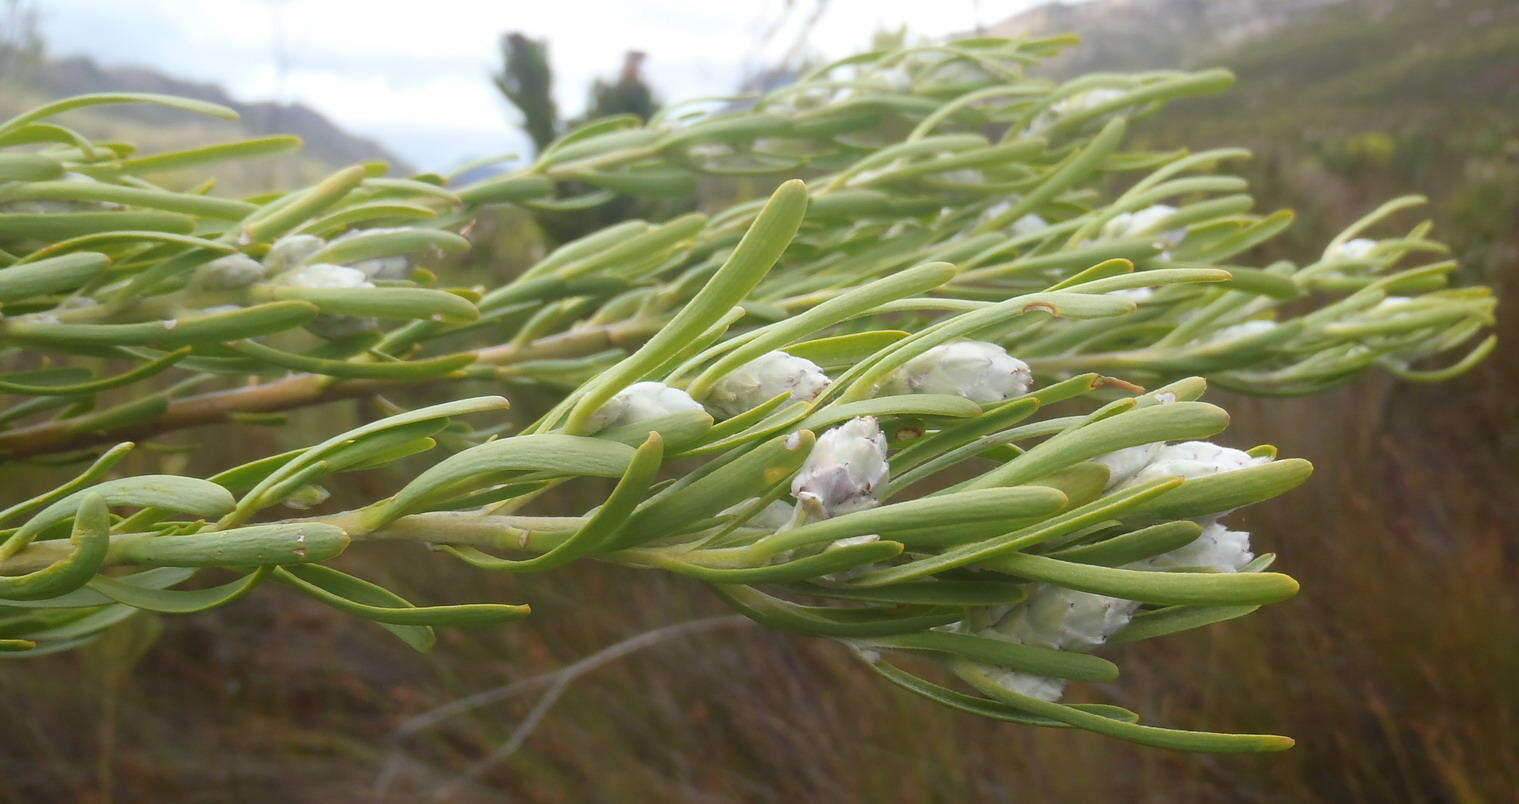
(413, 75)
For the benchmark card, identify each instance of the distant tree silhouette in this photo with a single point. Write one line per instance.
(527, 82)
(629, 94)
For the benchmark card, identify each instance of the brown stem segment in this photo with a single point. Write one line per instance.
(301, 390)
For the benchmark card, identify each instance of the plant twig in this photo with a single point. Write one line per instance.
(557, 682)
(299, 391)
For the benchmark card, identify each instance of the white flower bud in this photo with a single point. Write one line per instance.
(979, 371)
(846, 468)
(291, 251)
(642, 401)
(1136, 295)
(1358, 249)
(1218, 549)
(1242, 330)
(1134, 224)
(1191, 459)
(1061, 619)
(326, 276)
(1027, 225)
(1392, 303)
(394, 267)
(1064, 619)
(765, 377)
(1079, 102)
(1045, 689)
(1125, 463)
(323, 275)
(230, 273)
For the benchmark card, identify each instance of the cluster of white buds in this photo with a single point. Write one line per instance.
(642, 401)
(764, 378)
(982, 372)
(845, 470)
(1061, 619)
(1358, 249)
(1064, 619)
(231, 272)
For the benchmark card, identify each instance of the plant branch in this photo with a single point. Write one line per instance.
(302, 390)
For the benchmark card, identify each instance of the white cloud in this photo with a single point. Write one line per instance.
(415, 75)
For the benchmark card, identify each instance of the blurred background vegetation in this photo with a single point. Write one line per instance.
(1397, 669)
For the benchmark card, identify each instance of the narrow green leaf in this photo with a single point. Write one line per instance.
(319, 582)
(172, 601)
(755, 254)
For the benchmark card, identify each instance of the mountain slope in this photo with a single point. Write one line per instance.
(27, 79)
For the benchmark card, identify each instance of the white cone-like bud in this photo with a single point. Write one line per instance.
(1144, 221)
(1079, 102)
(326, 276)
(1125, 463)
(1241, 330)
(230, 273)
(1358, 249)
(1392, 303)
(765, 377)
(1045, 689)
(1191, 459)
(639, 402)
(1027, 225)
(1136, 295)
(979, 371)
(1062, 619)
(846, 469)
(395, 267)
(1218, 549)
(291, 251)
